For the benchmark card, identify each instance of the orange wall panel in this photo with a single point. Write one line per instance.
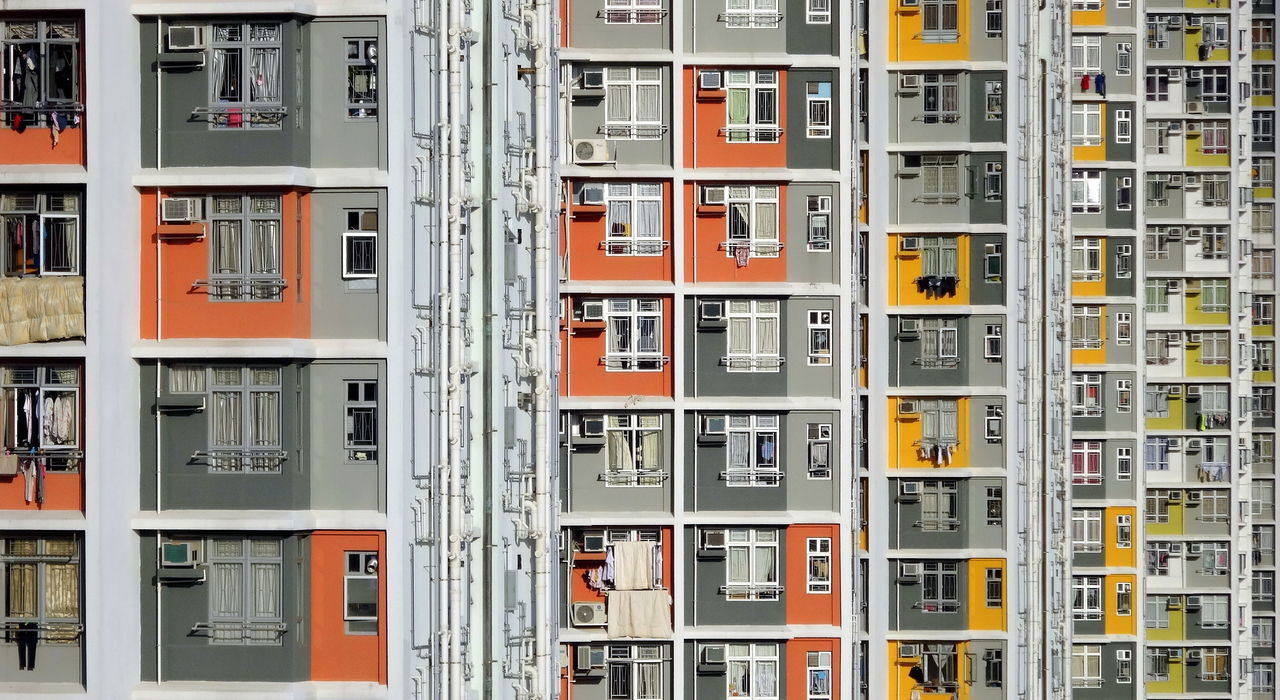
(582, 361)
(706, 258)
(706, 147)
(336, 655)
(61, 492)
(805, 608)
(583, 233)
(798, 666)
(188, 312)
(34, 146)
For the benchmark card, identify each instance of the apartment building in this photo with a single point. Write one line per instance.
(705, 402)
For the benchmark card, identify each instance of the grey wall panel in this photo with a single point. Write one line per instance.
(804, 265)
(343, 308)
(804, 151)
(335, 482)
(804, 37)
(339, 141)
(587, 26)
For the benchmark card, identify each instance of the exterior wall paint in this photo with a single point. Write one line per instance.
(906, 513)
(338, 141)
(190, 657)
(343, 308)
(708, 257)
(802, 264)
(706, 605)
(707, 114)
(596, 687)
(587, 119)
(62, 491)
(807, 38)
(705, 30)
(336, 655)
(973, 368)
(584, 462)
(911, 207)
(973, 449)
(803, 607)
(188, 311)
(708, 683)
(907, 612)
(584, 228)
(583, 346)
(577, 564)
(972, 124)
(34, 145)
(803, 150)
(585, 26)
(337, 483)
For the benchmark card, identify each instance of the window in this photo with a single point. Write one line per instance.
(1156, 402)
(938, 505)
(819, 444)
(1215, 348)
(244, 420)
(1157, 505)
(818, 665)
(1263, 34)
(940, 20)
(246, 55)
(1263, 401)
(753, 336)
(1262, 497)
(1086, 123)
(633, 218)
(360, 423)
(1214, 190)
(1124, 194)
(50, 430)
(1264, 446)
(1086, 530)
(753, 106)
(245, 597)
(1124, 531)
(940, 257)
(634, 335)
(1077, 5)
(940, 178)
(1157, 660)
(1086, 665)
(994, 91)
(753, 451)
(993, 182)
(751, 14)
(1086, 54)
(1158, 82)
(818, 558)
(995, 588)
(360, 593)
(1086, 394)
(1124, 126)
(1124, 328)
(245, 248)
(1124, 463)
(993, 423)
(1215, 296)
(818, 12)
(1215, 30)
(820, 338)
(1264, 127)
(633, 11)
(41, 66)
(818, 208)
(993, 341)
(818, 103)
(1157, 131)
(992, 261)
(1215, 84)
(1086, 327)
(1124, 598)
(1158, 191)
(940, 587)
(1214, 665)
(1262, 674)
(1086, 597)
(752, 222)
(1157, 612)
(940, 426)
(1124, 58)
(1264, 356)
(1263, 263)
(939, 663)
(941, 94)
(939, 342)
(1215, 244)
(1086, 191)
(41, 234)
(994, 505)
(1263, 542)
(752, 569)
(633, 444)
(1264, 172)
(362, 78)
(1264, 219)
(1264, 80)
(43, 587)
(1215, 506)
(1264, 308)
(1086, 462)
(1263, 586)
(633, 102)
(1215, 558)
(1263, 632)
(1215, 613)
(752, 671)
(1124, 666)
(635, 671)
(360, 245)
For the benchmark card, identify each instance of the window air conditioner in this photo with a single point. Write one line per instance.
(711, 310)
(180, 210)
(179, 553)
(1194, 21)
(714, 425)
(909, 488)
(712, 655)
(910, 243)
(587, 151)
(908, 326)
(592, 426)
(1193, 496)
(1194, 338)
(1174, 285)
(908, 651)
(593, 311)
(1194, 75)
(910, 3)
(593, 193)
(589, 615)
(1175, 390)
(713, 195)
(1193, 445)
(186, 38)
(1175, 654)
(1193, 392)
(909, 81)
(710, 80)
(907, 408)
(910, 570)
(1195, 234)
(1175, 496)
(593, 78)
(1193, 181)
(1193, 601)
(593, 541)
(1193, 655)
(1175, 22)
(589, 657)
(713, 539)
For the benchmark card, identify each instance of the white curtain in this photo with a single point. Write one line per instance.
(264, 69)
(648, 681)
(618, 102)
(649, 101)
(619, 217)
(648, 219)
(739, 336)
(767, 335)
(226, 79)
(739, 564)
(227, 594)
(950, 423)
(766, 679)
(739, 450)
(266, 591)
(266, 418)
(766, 565)
(226, 419)
(226, 248)
(651, 449)
(619, 451)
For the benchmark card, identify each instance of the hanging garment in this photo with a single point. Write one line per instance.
(741, 255)
(1084, 82)
(28, 467)
(28, 410)
(27, 637)
(47, 423)
(8, 463)
(633, 566)
(1100, 84)
(609, 569)
(40, 474)
(639, 614)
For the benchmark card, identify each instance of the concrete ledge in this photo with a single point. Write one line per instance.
(264, 520)
(211, 690)
(279, 348)
(260, 176)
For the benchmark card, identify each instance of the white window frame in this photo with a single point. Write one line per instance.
(1086, 123)
(1124, 531)
(818, 437)
(625, 351)
(633, 82)
(817, 111)
(1086, 259)
(1086, 191)
(749, 435)
(818, 555)
(1123, 125)
(625, 437)
(753, 543)
(1086, 529)
(356, 623)
(821, 338)
(819, 676)
(993, 341)
(1124, 58)
(358, 234)
(623, 203)
(1086, 54)
(762, 352)
(751, 14)
(1086, 597)
(752, 221)
(818, 222)
(360, 424)
(1086, 665)
(750, 662)
(633, 12)
(763, 117)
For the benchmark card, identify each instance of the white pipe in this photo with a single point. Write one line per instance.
(454, 284)
(441, 629)
(542, 618)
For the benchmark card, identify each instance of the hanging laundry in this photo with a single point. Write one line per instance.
(742, 254)
(1100, 84)
(1084, 82)
(40, 474)
(28, 468)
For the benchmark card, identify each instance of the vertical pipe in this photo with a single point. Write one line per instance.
(453, 285)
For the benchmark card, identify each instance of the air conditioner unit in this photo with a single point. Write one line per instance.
(910, 570)
(1175, 444)
(1194, 445)
(907, 487)
(589, 657)
(593, 193)
(711, 310)
(186, 38)
(1175, 654)
(179, 553)
(593, 310)
(713, 539)
(592, 426)
(1174, 234)
(589, 615)
(586, 151)
(907, 408)
(712, 655)
(593, 78)
(1194, 75)
(1193, 496)
(1195, 234)
(1173, 603)
(1193, 601)
(908, 651)
(1175, 76)
(1175, 496)
(1193, 655)
(1193, 181)
(909, 81)
(1195, 338)
(1174, 285)
(593, 541)
(713, 195)
(714, 425)
(1175, 22)
(1175, 181)
(908, 326)
(1194, 21)
(710, 80)
(180, 209)
(1175, 390)
(910, 243)
(1193, 550)
(1195, 107)
(1193, 392)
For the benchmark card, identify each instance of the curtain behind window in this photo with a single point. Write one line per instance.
(21, 591)
(619, 450)
(62, 591)
(226, 419)
(226, 248)
(264, 68)
(266, 418)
